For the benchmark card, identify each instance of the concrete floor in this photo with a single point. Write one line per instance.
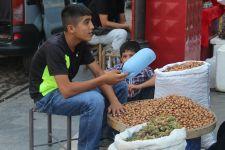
(14, 122)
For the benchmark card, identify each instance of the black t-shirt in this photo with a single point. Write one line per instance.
(55, 58)
(112, 8)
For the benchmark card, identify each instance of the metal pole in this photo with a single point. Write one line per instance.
(31, 129)
(139, 21)
(49, 129)
(69, 130)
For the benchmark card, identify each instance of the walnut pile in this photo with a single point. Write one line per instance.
(184, 66)
(188, 114)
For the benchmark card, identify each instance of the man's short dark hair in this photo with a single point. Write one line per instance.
(72, 13)
(129, 46)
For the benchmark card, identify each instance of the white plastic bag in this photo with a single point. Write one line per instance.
(207, 140)
(175, 141)
(221, 2)
(212, 71)
(192, 83)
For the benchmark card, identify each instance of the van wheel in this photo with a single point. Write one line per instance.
(27, 62)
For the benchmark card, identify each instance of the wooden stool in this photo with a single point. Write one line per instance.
(50, 136)
(99, 58)
(103, 56)
(106, 58)
(110, 56)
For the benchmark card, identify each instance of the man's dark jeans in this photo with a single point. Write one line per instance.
(89, 105)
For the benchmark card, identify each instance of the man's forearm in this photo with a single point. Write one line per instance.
(74, 88)
(122, 18)
(111, 24)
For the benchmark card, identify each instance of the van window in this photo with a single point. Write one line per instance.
(34, 2)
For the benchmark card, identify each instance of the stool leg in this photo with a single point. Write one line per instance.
(100, 55)
(31, 129)
(110, 62)
(49, 129)
(69, 132)
(103, 59)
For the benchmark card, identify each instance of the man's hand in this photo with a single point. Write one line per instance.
(115, 25)
(113, 77)
(130, 29)
(126, 27)
(116, 109)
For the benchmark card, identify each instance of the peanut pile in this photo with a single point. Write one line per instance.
(184, 66)
(188, 114)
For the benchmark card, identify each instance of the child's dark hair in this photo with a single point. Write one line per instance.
(131, 46)
(73, 12)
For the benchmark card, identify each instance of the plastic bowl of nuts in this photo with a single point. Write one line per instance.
(195, 118)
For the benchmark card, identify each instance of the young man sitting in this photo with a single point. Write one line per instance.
(54, 66)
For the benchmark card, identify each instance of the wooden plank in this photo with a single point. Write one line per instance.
(100, 54)
(103, 59)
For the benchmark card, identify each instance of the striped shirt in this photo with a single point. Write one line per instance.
(145, 75)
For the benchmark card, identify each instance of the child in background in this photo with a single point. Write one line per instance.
(142, 85)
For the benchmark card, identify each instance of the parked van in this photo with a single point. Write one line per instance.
(25, 24)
